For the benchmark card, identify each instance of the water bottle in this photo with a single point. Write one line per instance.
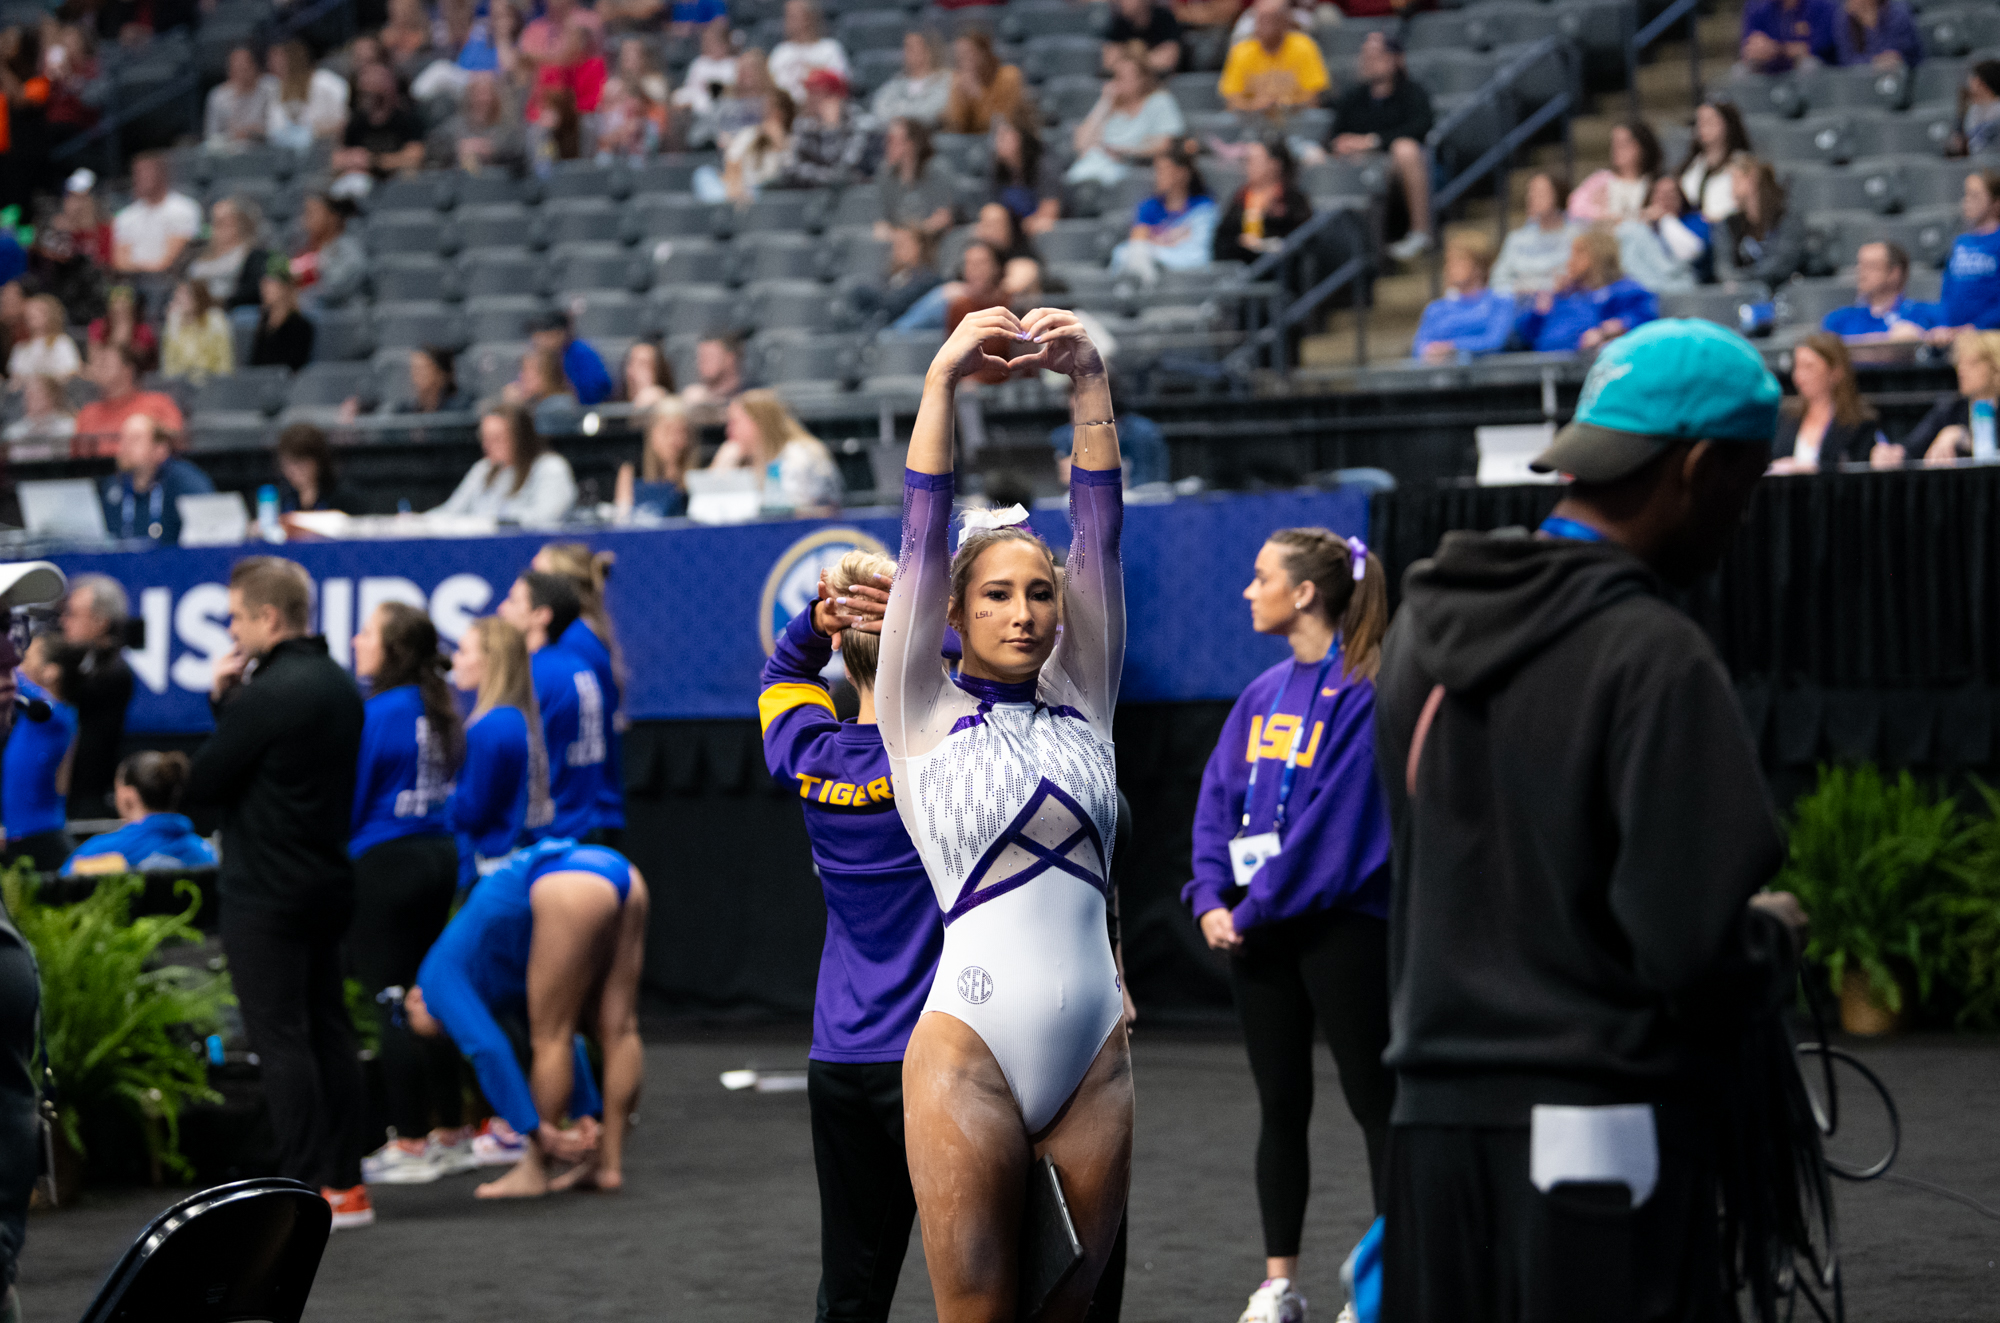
(267, 514)
(1983, 445)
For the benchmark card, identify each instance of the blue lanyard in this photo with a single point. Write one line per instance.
(1298, 737)
(155, 505)
(1557, 526)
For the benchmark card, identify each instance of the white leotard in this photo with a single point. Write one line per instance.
(1011, 795)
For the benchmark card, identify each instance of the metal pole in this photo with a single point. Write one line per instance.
(1694, 53)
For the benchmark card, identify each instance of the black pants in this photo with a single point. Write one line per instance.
(285, 965)
(866, 1205)
(48, 849)
(1470, 1240)
(403, 891)
(1331, 969)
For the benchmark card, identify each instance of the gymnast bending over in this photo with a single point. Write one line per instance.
(1005, 778)
(557, 938)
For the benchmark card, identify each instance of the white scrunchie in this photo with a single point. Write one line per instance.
(978, 521)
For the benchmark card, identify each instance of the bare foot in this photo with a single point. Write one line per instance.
(525, 1180)
(588, 1176)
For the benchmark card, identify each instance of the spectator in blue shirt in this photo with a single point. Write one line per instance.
(588, 376)
(34, 772)
(1971, 298)
(1881, 33)
(1470, 318)
(1778, 34)
(1592, 306)
(154, 833)
(689, 15)
(141, 500)
(1880, 309)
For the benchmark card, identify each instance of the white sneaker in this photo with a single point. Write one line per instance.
(452, 1152)
(392, 1164)
(496, 1144)
(1411, 246)
(1275, 1302)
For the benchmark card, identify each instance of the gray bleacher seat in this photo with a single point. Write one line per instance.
(872, 30)
(1449, 73)
(1960, 30)
(1443, 30)
(1510, 22)
(871, 69)
(698, 309)
(1932, 182)
(343, 335)
(1823, 138)
(791, 210)
(1936, 82)
(1925, 234)
(1224, 180)
(857, 252)
(1721, 306)
(669, 174)
(765, 257)
(680, 351)
(965, 153)
(1858, 88)
(585, 179)
(579, 267)
(1196, 92)
(689, 261)
(1363, 176)
(859, 204)
(501, 318)
(497, 225)
(1833, 188)
(218, 431)
(409, 232)
(485, 368)
(1925, 132)
(900, 354)
(258, 390)
(803, 357)
(1763, 94)
(1340, 43)
(582, 220)
(1077, 241)
(777, 305)
(1600, 29)
(491, 271)
(491, 188)
(1059, 56)
(1088, 284)
(410, 325)
(252, 163)
(1071, 97)
(1540, 82)
(1807, 302)
(409, 277)
(328, 384)
(670, 216)
(1025, 19)
(431, 191)
(609, 313)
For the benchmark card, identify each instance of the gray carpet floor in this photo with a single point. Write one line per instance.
(719, 1220)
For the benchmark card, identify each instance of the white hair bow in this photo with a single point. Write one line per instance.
(979, 521)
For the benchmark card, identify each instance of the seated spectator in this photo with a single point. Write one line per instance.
(543, 390)
(45, 416)
(433, 384)
(198, 344)
(70, 64)
(485, 132)
(833, 144)
(1275, 70)
(232, 262)
(115, 369)
(1153, 26)
(1022, 177)
(555, 128)
(406, 38)
(1971, 299)
(1719, 137)
(494, 47)
(540, 39)
(1536, 252)
(517, 478)
(308, 479)
(1778, 34)
(284, 338)
(1945, 433)
(1978, 132)
(1173, 230)
(688, 15)
(440, 75)
(637, 67)
(308, 104)
(333, 266)
(153, 834)
(1665, 247)
(1827, 423)
(980, 285)
(1266, 209)
(384, 136)
(1619, 192)
(718, 370)
(73, 250)
(1021, 268)
(911, 274)
(46, 349)
(659, 488)
(581, 366)
(1134, 120)
(920, 91)
(982, 88)
(142, 499)
(747, 102)
(1766, 238)
(239, 107)
(914, 186)
(1881, 33)
(751, 158)
(1880, 310)
(575, 66)
(121, 326)
(154, 229)
(648, 378)
(712, 75)
(806, 48)
(1385, 111)
(1593, 304)
(1470, 319)
(796, 470)
(631, 125)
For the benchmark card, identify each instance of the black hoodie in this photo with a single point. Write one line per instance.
(1571, 876)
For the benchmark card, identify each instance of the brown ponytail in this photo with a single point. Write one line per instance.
(158, 777)
(1357, 609)
(410, 655)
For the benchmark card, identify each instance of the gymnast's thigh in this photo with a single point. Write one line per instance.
(1091, 1145)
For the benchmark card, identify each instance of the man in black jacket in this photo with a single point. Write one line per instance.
(1384, 111)
(94, 619)
(281, 765)
(1581, 834)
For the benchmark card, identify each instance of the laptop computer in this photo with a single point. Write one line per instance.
(66, 508)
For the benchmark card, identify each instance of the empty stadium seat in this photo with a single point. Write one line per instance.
(1858, 88)
(266, 163)
(1600, 30)
(965, 153)
(1196, 92)
(1957, 31)
(343, 335)
(1926, 234)
(491, 188)
(803, 357)
(1077, 241)
(1027, 19)
(1444, 30)
(485, 368)
(585, 179)
(410, 325)
(668, 174)
(489, 271)
(859, 205)
(1924, 131)
(1936, 82)
(410, 278)
(690, 261)
(1510, 22)
(900, 354)
(1831, 188)
(329, 384)
(1088, 284)
(873, 68)
(1720, 306)
(258, 390)
(698, 309)
(582, 220)
(680, 351)
(1056, 57)
(1763, 94)
(501, 318)
(872, 30)
(1340, 43)
(1450, 72)
(1071, 97)
(607, 313)
(408, 232)
(580, 267)
(1823, 138)
(1807, 302)
(1931, 182)
(497, 225)
(785, 210)
(432, 191)
(670, 216)
(765, 257)
(857, 252)
(791, 304)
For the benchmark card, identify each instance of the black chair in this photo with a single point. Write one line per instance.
(247, 1250)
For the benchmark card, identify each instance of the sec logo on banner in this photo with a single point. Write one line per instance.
(794, 581)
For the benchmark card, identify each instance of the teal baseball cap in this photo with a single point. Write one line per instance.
(1677, 379)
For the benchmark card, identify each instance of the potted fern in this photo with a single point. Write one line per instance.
(1874, 862)
(123, 1036)
(1972, 917)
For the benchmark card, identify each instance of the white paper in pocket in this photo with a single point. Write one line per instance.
(1595, 1145)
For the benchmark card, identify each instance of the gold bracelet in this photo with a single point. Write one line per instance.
(1098, 422)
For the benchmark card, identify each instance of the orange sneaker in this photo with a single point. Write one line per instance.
(351, 1207)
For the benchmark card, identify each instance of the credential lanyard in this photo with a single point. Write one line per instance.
(1298, 737)
(155, 506)
(1557, 526)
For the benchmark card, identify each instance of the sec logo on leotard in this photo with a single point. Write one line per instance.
(794, 581)
(975, 984)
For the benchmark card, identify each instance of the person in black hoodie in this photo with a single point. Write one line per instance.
(1581, 833)
(281, 767)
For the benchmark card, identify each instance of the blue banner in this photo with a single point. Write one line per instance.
(695, 608)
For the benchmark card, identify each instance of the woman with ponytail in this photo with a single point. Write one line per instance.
(501, 801)
(1291, 872)
(154, 833)
(591, 638)
(405, 876)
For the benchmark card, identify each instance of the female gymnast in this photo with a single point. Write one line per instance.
(557, 937)
(501, 801)
(405, 875)
(1004, 776)
(592, 638)
(882, 936)
(1291, 872)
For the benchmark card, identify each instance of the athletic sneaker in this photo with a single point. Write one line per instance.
(496, 1144)
(1347, 1314)
(1411, 246)
(1275, 1302)
(452, 1151)
(394, 1164)
(351, 1207)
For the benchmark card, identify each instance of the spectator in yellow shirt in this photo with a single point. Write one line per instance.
(1275, 70)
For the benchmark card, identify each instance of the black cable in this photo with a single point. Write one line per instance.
(1943, 1192)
